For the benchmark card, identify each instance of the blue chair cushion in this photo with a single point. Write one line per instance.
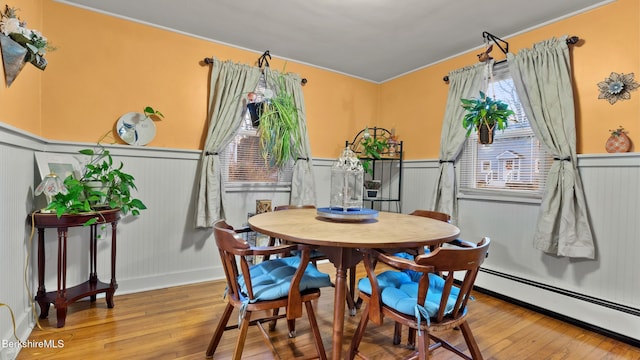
(385, 279)
(405, 297)
(271, 279)
(399, 290)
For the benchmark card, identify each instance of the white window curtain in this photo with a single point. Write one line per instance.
(542, 76)
(463, 83)
(230, 82)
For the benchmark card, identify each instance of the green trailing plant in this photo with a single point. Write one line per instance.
(279, 128)
(485, 111)
(81, 198)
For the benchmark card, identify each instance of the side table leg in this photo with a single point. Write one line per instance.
(41, 295)
(61, 295)
(113, 285)
(93, 272)
(109, 298)
(61, 312)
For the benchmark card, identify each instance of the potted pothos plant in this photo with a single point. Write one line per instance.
(279, 128)
(484, 115)
(114, 191)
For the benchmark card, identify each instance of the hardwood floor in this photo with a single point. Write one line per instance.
(177, 323)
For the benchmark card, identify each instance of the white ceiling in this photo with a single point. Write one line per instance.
(375, 40)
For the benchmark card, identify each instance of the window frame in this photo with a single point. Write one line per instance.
(465, 159)
(246, 129)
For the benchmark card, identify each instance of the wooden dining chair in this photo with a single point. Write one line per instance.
(421, 250)
(432, 214)
(318, 256)
(414, 295)
(286, 282)
(397, 331)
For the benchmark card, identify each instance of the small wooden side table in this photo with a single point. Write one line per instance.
(65, 296)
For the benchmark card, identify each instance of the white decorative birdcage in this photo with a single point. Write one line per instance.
(347, 177)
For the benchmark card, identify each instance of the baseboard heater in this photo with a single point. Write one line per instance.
(572, 294)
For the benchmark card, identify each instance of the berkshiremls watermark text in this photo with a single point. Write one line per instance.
(41, 344)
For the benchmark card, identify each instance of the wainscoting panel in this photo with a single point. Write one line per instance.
(418, 185)
(16, 202)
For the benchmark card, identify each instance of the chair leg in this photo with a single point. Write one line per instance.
(317, 337)
(359, 333)
(351, 293)
(217, 335)
(351, 305)
(411, 338)
(242, 336)
(272, 323)
(397, 333)
(423, 345)
(291, 324)
(352, 282)
(471, 341)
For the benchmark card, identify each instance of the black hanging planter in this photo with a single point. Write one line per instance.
(255, 110)
(486, 133)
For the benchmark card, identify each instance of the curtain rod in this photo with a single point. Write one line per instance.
(209, 61)
(570, 41)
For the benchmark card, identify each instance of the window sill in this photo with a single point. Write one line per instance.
(498, 196)
(256, 187)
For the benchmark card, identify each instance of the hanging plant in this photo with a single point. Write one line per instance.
(279, 129)
(485, 113)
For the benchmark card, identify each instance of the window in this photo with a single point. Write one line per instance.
(243, 167)
(516, 164)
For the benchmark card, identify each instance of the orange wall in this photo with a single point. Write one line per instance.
(105, 67)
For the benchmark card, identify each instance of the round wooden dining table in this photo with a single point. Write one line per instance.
(340, 240)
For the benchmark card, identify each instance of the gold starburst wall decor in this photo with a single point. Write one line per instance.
(617, 87)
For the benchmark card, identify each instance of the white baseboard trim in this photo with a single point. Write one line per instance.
(161, 281)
